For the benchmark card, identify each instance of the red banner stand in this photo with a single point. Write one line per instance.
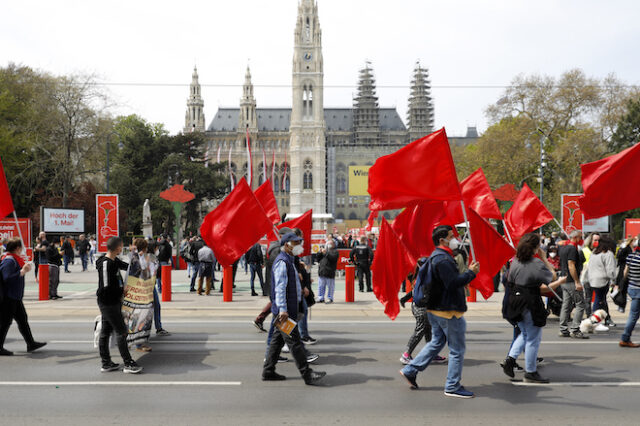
(349, 277)
(166, 283)
(43, 281)
(227, 284)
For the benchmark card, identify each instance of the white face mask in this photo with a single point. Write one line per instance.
(297, 250)
(634, 243)
(454, 243)
(552, 255)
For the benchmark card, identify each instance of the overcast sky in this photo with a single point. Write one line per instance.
(463, 43)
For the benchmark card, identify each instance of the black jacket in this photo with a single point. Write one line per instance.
(164, 251)
(67, 248)
(448, 286)
(254, 255)
(194, 248)
(53, 255)
(361, 255)
(110, 283)
(328, 263)
(83, 247)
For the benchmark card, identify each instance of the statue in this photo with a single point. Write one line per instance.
(147, 226)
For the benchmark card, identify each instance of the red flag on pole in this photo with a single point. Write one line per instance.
(414, 226)
(6, 203)
(492, 251)
(391, 265)
(420, 171)
(477, 195)
(372, 217)
(526, 215)
(235, 225)
(265, 196)
(305, 224)
(610, 185)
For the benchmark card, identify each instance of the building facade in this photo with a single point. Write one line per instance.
(316, 157)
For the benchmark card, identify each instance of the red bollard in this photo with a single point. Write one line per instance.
(349, 277)
(43, 282)
(472, 295)
(166, 283)
(227, 284)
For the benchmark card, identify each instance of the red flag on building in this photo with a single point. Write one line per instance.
(305, 224)
(265, 196)
(235, 225)
(611, 185)
(526, 215)
(391, 265)
(414, 226)
(420, 171)
(6, 203)
(492, 251)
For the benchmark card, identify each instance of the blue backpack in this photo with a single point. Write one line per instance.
(423, 290)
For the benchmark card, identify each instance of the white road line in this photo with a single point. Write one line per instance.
(112, 383)
(470, 322)
(171, 342)
(581, 384)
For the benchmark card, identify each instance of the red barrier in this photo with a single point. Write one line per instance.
(166, 283)
(349, 277)
(43, 281)
(472, 297)
(227, 284)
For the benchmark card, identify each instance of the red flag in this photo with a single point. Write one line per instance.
(477, 195)
(414, 226)
(611, 185)
(305, 224)
(506, 192)
(420, 171)
(526, 215)
(267, 200)
(391, 265)
(492, 251)
(372, 216)
(6, 203)
(235, 225)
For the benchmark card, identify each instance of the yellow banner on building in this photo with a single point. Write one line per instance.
(358, 180)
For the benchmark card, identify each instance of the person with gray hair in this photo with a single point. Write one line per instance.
(571, 264)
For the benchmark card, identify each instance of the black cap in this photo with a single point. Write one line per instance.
(289, 237)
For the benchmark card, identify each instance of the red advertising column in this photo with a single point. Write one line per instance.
(227, 284)
(166, 283)
(43, 282)
(349, 277)
(472, 297)
(107, 219)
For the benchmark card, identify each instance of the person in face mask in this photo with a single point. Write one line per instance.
(552, 257)
(571, 261)
(328, 263)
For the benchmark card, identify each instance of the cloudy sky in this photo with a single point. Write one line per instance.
(146, 50)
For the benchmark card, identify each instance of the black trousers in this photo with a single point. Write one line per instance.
(14, 310)
(364, 272)
(112, 321)
(295, 346)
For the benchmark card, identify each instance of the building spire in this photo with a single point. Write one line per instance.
(420, 112)
(194, 117)
(248, 116)
(366, 114)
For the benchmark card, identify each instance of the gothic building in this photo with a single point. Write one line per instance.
(312, 148)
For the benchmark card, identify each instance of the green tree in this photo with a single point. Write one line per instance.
(627, 132)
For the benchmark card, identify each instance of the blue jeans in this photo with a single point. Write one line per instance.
(67, 260)
(83, 258)
(442, 331)
(303, 323)
(528, 341)
(156, 310)
(194, 275)
(256, 270)
(634, 312)
(326, 283)
(600, 301)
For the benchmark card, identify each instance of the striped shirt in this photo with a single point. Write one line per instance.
(633, 262)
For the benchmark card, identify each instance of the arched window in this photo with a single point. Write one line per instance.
(353, 216)
(340, 216)
(285, 183)
(232, 173)
(341, 184)
(307, 178)
(261, 177)
(245, 172)
(340, 167)
(276, 179)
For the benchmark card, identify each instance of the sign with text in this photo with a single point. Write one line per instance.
(62, 221)
(107, 219)
(8, 229)
(317, 240)
(343, 259)
(572, 218)
(631, 228)
(358, 180)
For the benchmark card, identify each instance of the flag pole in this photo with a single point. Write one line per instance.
(506, 231)
(466, 220)
(561, 228)
(24, 247)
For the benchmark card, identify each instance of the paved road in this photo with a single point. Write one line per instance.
(208, 372)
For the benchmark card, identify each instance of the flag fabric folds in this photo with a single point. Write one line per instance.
(391, 265)
(420, 171)
(477, 195)
(610, 185)
(372, 217)
(6, 203)
(492, 251)
(414, 227)
(267, 200)
(526, 215)
(235, 225)
(305, 224)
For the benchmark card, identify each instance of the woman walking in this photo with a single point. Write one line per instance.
(13, 268)
(602, 271)
(137, 307)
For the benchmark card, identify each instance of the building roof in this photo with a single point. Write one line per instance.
(278, 119)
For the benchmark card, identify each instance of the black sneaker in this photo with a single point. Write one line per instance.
(259, 326)
(564, 334)
(508, 365)
(272, 377)
(35, 346)
(4, 352)
(111, 366)
(283, 359)
(313, 377)
(578, 335)
(312, 358)
(309, 340)
(132, 368)
(534, 378)
(539, 360)
(162, 332)
(411, 380)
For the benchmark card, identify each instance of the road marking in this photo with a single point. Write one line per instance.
(248, 321)
(113, 383)
(581, 384)
(173, 342)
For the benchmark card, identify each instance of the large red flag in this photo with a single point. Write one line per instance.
(492, 251)
(611, 185)
(526, 215)
(305, 224)
(477, 195)
(235, 225)
(391, 265)
(6, 203)
(420, 171)
(414, 226)
(372, 217)
(267, 200)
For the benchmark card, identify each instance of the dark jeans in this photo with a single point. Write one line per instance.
(295, 346)
(85, 260)
(14, 310)
(112, 321)
(364, 272)
(600, 301)
(256, 269)
(196, 268)
(67, 260)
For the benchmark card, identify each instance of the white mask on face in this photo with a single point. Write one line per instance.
(454, 243)
(634, 243)
(552, 255)
(297, 250)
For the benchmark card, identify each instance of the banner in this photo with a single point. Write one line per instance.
(107, 219)
(572, 218)
(631, 228)
(343, 259)
(358, 180)
(137, 308)
(317, 240)
(8, 229)
(62, 221)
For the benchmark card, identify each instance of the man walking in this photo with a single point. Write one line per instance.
(328, 263)
(286, 294)
(446, 306)
(67, 253)
(255, 259)
(83, 251)
(571, 263)
(362, 256)
(194, 248)
(54, 260)
(205, 259)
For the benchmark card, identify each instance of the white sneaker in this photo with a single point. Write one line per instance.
(285, 349)
(601, 328)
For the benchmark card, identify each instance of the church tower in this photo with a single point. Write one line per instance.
(307, 129)
(194, 118)
(420, 113)
(248, 120)
(366, 111)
